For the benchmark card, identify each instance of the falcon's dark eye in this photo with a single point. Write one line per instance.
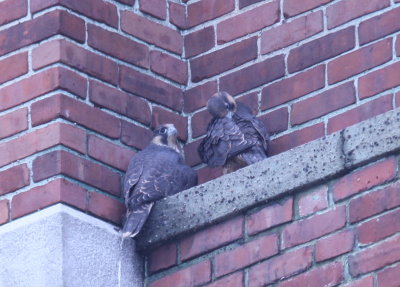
(163, 130)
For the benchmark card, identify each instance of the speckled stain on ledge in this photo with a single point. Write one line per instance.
(295, 169)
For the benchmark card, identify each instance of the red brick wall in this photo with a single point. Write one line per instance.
(308, 68)
(81, 83)
(344, 232)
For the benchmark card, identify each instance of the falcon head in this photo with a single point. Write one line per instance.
(165, 135)
(221, 104)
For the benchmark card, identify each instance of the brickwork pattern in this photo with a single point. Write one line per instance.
(78, 80)
(343, 232)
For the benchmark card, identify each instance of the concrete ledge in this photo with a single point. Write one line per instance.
(295, 169)
(60, 246)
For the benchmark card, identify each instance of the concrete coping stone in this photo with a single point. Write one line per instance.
(293, 170)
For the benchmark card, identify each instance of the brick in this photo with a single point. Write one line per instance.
(135, 136)
(57, 190)
(197, 97)
(327, 275)
(106, 207)
(14, 178)
(199, 123)
(398, 46)
(379, 228)
(294, 7)
(374, 202)
(35, 30)
(62, 51)
(162, 257)
(99, 10)
(312, 202)
(118, 46)
(61, 106)
(50, 136)
(245, 3)
(61, 162)
(123, 103)
(291, 32)
(296, 138)
(321, 49)
(293, 87)
(162, 116)
(11, 10)
(360, 113)
(177, 15)
(211, 238)
(379, 26)
(234, 280)
(13, 66)
(379, 81)
(359, 61)
(206, 173)
(397, 100)
(156, 8)
(364, 179)
(151, 88)
(13, 123)
(280, 267)
(276, 121)
(193, 275)
(344, 11)
(324, 103)
(109, 153)
(223, 60)
(151, 32)
(374, 257)
(390, 277)
(199, 41)
(246, 254)
(192, 157)
(203, 11)
(270, 216)
(4, 211)
(41, 83)
(244, 79)
(248, 22)
(328, 247)
(364, 282)
(169, 67)
(313, 227)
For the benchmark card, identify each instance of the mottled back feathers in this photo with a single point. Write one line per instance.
(154, 173)
(236, 137)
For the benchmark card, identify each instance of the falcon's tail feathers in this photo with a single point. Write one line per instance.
(135, 221)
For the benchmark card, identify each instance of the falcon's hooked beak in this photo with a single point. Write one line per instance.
(171, 130)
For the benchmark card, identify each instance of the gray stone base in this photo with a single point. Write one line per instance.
(60, 246)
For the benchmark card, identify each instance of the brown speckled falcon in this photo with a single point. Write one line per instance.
(153, 173)
(235, 137)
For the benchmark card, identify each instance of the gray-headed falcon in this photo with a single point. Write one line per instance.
(154, 173)
(235, 137)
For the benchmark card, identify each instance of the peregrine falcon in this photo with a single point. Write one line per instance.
(235, 137)
(154, 173)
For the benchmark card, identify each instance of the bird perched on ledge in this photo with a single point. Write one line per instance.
(235, 137)
(154, 173)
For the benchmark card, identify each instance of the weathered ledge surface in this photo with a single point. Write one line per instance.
(295, 169)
